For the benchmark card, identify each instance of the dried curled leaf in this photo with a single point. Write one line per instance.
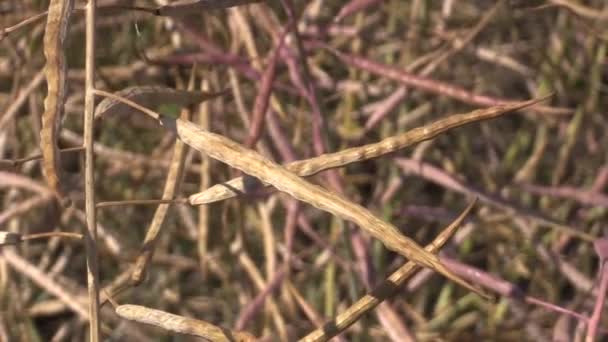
(152, 96)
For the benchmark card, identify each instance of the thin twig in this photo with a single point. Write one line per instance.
(19, 161)
(107, 204)
(16, 104)
(172, 183)
(89, 190)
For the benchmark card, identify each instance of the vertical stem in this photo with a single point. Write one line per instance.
(89, 191)
(205, 182)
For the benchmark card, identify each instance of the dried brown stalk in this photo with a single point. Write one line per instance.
(7, 30)
(173, 180)
(204, 118)
(383, 291)
(16, 162)
(67, 235)
(309, 167)
(90, 234)
(254, 164)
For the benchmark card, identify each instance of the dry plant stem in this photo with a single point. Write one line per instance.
(309, 310)
(256, 165)
(266, 231)
(294, 219)
(256, 277)
(118, 98)
(55, 71)
(430, 85)
(310, 89)
(383, 291)
(254, 307)
(262, 99)
(309, 167)
(67, 235)
(89, 178)
(174, 178)
(141, 202)
(176, 9)
(485, 20)
(205, 179)
(17, 162)
(23, 23)
(180, 324)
